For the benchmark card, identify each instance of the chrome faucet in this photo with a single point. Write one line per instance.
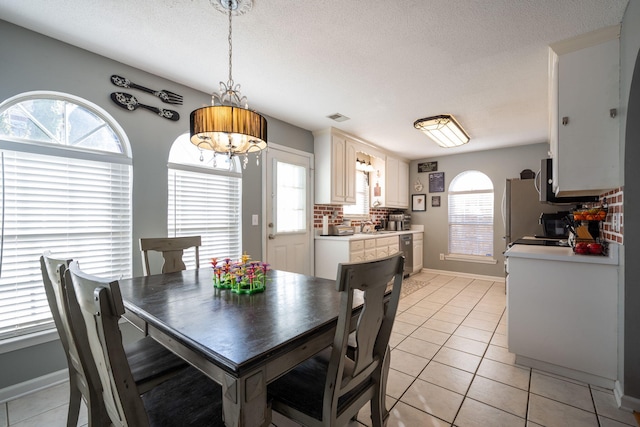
(368, 225)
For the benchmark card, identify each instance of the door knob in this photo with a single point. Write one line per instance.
(271, 237)
(270, 225)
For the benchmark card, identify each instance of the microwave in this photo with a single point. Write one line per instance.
(547, 195)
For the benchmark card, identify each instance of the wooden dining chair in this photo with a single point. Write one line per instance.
(330, 388)
(172, 249)
(150, 362)
(187, 399)
(79, 386)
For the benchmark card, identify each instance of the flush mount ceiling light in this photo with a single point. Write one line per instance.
(443, 129)
(228, 126)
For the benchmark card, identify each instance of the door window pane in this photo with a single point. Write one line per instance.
(291, 198)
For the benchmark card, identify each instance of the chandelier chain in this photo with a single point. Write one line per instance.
(230, 50)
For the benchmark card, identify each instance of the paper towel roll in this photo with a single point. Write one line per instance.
(325, 225)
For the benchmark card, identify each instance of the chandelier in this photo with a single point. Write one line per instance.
(443, 129)
(228, 126)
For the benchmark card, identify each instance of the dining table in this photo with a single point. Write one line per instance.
(243, 342)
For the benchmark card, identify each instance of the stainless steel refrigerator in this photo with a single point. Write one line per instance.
(521, 209)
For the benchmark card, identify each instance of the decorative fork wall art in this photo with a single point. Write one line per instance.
(131, 103)
(164, 95)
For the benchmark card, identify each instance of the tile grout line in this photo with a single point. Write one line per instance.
(464, 396)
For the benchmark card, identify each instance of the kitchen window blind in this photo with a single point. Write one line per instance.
(205, 201)
(73, 202)
(471, 214)
(361, 208)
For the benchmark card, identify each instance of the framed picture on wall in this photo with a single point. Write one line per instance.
(435, 201)
(436, 182)
(419, 202)
(427, 167)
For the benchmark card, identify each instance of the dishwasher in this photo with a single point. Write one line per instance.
(406, 247)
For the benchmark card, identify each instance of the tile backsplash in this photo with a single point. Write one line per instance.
(336, 216)
(614, 199)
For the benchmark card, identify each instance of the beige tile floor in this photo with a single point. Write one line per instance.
(449, 367)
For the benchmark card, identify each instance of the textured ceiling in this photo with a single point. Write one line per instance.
(384, 64)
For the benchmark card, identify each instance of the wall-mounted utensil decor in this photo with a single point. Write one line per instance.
(166, 96)
(129, 102)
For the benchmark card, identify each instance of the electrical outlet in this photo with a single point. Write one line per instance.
(615, 222)
(620, 225)
(441, 257)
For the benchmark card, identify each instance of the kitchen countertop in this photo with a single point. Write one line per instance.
(365, 236)
(554, 253)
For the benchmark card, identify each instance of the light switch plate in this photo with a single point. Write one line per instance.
(254, 219)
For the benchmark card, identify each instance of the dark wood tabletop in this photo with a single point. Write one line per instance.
(236, 332)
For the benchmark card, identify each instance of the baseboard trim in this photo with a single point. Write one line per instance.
(585, 377)
(33, 385)
(459, 274)
(624, 402)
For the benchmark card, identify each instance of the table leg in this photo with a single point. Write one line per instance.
(245, 400)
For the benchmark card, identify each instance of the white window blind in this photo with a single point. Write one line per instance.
(74, 208)
(471, 214)
(204, 199)
(66, 188)
(361, 208)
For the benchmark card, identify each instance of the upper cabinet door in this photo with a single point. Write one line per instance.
(584, 123)
(397, 183)
(335, 168)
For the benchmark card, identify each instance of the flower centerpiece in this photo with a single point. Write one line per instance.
(243, 276)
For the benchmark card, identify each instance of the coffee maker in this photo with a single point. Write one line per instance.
(396, 221)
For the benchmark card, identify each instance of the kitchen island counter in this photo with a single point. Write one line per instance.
(562, 311)
(556, 253)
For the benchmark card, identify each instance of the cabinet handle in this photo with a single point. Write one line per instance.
(565, 121)
(271, 237)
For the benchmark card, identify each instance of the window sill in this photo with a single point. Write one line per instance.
(357, 216)
(471, 258)
(30, 340)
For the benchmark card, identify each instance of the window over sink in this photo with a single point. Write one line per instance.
(361, 208)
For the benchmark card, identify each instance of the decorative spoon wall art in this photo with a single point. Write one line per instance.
(129, 102)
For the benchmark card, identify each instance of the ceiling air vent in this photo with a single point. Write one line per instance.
(338, 117)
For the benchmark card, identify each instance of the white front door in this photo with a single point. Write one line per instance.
(288, 210)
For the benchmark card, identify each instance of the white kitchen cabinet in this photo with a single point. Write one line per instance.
(562, 312)
(369, 249)
(356, 251)
(418, 242)
(396, 183)
(584, 126)
(330, 251)
(335, 168)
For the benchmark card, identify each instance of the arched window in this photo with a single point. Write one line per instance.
(471, 214)
(65, 173)
(205, 199)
